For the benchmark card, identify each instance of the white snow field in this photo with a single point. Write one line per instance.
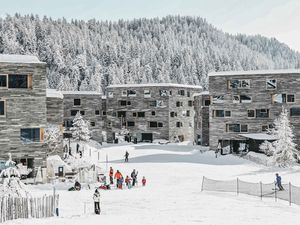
(173, 191)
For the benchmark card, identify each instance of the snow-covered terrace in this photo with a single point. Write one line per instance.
(19, 59)
(154, 85)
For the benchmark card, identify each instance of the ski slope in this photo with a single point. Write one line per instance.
(173, 191)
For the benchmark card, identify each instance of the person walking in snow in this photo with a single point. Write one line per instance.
(128, 182)
(96, 198)
(126, 156)
(111, 175)
(278, 182)
(134, 177)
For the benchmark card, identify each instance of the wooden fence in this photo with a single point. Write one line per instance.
(14, 207)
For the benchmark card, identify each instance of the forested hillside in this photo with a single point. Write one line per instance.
(90, 55)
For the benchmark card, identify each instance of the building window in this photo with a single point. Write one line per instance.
(251, 113)
(19, 81)
(188, 94)
(173, 114)
(92, 124)
(121, 114)
(262, 113)
(188, 113)
(29, 135)
(2, 108)
(264, 128)
(82, 113)
(271, 84)
(218, 99)
(160, 124)
(190, 103)
(130, 123)
(124, 93)
(295, 111)
(227, 113)
(74, 112)
(179, 124)
(178, 104)
(122, 103)
(147, 94)
(68, 123)
(241, 99)
(134, 114)
(114, 114)
(131, 93)
(153, 113)
(164, 93)
(235, 128)
(219, 113)
(141, 114)
(152, 124)
(152, 103)
(206, 102)
(3, 81)
(77, 102)
(290, 98)
(104, 113)
(97, 112)
(181, 92)
(110, 94)
(244, 128)
(241, 84)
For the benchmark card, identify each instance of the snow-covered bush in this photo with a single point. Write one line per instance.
(267, 148)
(53, 137)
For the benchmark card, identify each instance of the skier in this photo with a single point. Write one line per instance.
(278, 182)
(134, 177)
(126, 156)
(119, 178)
(144, 181)
(96, 198)
(111, 175)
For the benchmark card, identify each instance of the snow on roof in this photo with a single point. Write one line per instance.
(259, 136)
(52, 93)
(255, 72)
(19, 58)
(80, 93)
(155, 85)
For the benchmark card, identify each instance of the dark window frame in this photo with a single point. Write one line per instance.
(34, 135)
(76, 101)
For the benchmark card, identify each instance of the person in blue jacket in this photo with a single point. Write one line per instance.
(278, 182)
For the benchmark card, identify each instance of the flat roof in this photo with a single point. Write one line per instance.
(19, 59)
(80, 93)
(155, 85)
(255, 72)
(52, 93)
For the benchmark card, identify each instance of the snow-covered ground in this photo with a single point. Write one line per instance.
(173, 191)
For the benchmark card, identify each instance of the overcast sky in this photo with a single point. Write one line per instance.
(271, 18)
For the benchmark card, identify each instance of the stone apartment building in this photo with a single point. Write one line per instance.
(245, 104)
(89, 104)
(22, 109)
(201, 106)
(151, 111)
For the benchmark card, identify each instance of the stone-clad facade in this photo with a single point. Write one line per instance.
(151, 111)
(89, 104)
(22, 109)
(201, 106)
(248, 102)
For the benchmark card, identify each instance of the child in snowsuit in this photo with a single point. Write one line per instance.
(96, 198)
(111, 175)
(128, 182)
(144, 181)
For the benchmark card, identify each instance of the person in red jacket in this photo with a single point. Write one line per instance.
(119, 178)
(111, 175)
(144, 181)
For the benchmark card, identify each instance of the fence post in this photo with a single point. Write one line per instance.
(275, 192)
(261, 195)
(237, 186)
(290, 193)
(202, 183)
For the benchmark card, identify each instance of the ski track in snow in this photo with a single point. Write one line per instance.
(173, 191)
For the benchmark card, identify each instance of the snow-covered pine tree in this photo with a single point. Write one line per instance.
(285, 151)
(80, 129)
(52, 137)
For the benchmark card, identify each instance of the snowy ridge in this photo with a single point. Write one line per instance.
(156, 85)
(255, 72)
(19, 58)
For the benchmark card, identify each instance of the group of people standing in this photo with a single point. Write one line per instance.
(129, 181)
